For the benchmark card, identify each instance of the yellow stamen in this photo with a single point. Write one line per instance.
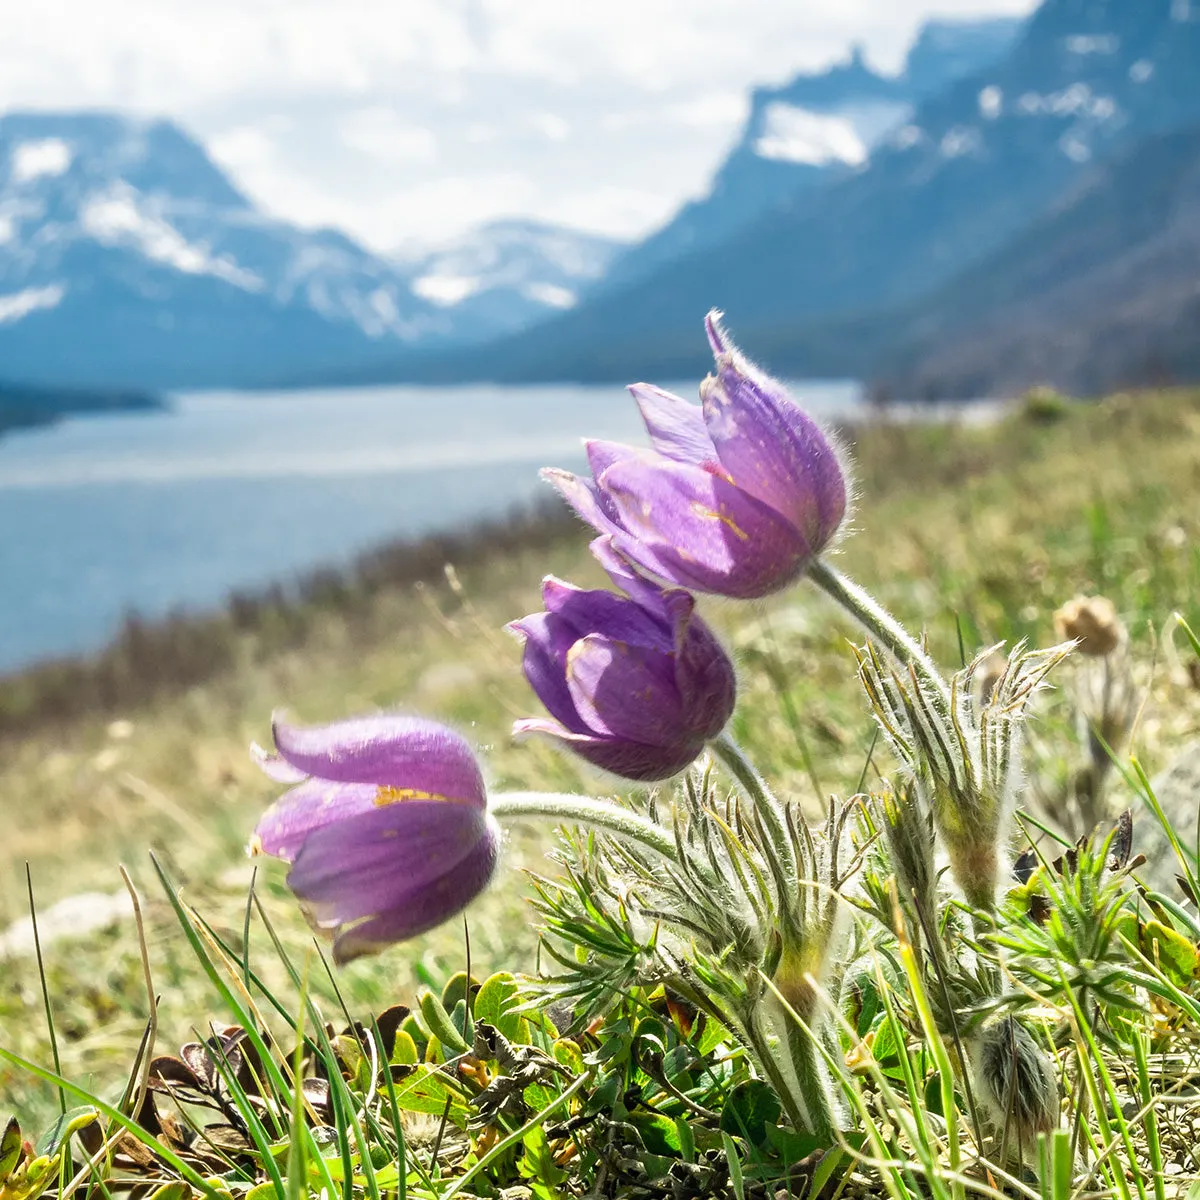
(725, 519)
(395, 795)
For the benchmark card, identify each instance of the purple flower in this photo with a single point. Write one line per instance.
(637, 683)
(737, 497)
(386, 827)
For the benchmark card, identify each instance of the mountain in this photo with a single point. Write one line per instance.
(818, 127)
(1101, 291)
(507, 275)
(128, 258)
(973, 166)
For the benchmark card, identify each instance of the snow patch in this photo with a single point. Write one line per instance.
(551, 295)
(116, 218)
(16, 305)
(446, 290)
(960, 140)
(48, 156)
(798, 135)
(1075, 148)
(1074, 101)
(1092, 43)
(991, 102)
(1141, 70)
(906, 137)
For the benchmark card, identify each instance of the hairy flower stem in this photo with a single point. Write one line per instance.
(879, 624)
(568, 809)
(769, 807)
(791, 1061)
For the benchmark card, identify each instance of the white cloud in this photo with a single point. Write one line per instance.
(382, 133)
(424, 116)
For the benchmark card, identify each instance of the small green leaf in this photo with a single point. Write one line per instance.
(1174, 953)
(440, 1024)
(714, 1034)
(687, 1143)
(427, 1090)
(455, 991)
(735, 1166)
(177, 1189)
(568, 1053)
(538, 1162)
(752, 1106)
(58, 1133)
(790, 1145)
(10, 1149)
(404, 1052)
(495, 1002)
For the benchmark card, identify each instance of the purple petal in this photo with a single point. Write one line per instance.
(408, 753)
(773, 449)
(706, 681)
(718, 339)
(696, 529)
(625, 691)
(608, 613)
(584, 497)
(674, 604)
(676, 427)
(274, 767)
(427, 908)
(601, 455)
(547, 640)
(282, 829)
(630, 760)
(377, 860)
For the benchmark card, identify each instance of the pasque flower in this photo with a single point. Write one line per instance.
(386, 827)
(738, 495)
(637, 683)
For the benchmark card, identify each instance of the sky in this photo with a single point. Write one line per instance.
(407, 122)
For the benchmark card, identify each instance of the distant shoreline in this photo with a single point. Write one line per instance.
(152, 657)
(28, 407)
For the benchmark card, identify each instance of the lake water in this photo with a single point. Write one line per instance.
(161, 511)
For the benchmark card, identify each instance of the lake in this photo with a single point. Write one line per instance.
(159, 511)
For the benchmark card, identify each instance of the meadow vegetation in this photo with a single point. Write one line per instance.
(976, 533)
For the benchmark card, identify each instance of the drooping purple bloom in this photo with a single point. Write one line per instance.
(386, 827)
(738, 495)
(636, 684)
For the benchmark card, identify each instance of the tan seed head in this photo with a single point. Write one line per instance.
(1092, 621)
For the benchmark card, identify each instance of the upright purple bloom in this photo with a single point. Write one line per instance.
(636, 683)
(386, 827)
(738, 495)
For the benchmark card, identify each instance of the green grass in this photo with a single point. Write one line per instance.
(975, 534)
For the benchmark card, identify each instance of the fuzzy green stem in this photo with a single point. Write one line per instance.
(879, 624)
(769, 807)
(791, 1060)
(566, 809)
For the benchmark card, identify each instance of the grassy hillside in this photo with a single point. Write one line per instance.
(978, 533)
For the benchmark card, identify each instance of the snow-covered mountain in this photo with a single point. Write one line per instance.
(974, 165)
(817, 128)
(507, 275)
(127, 257)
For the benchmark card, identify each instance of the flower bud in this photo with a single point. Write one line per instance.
(1091, 621)
(1015, 1079)
(637, 684)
